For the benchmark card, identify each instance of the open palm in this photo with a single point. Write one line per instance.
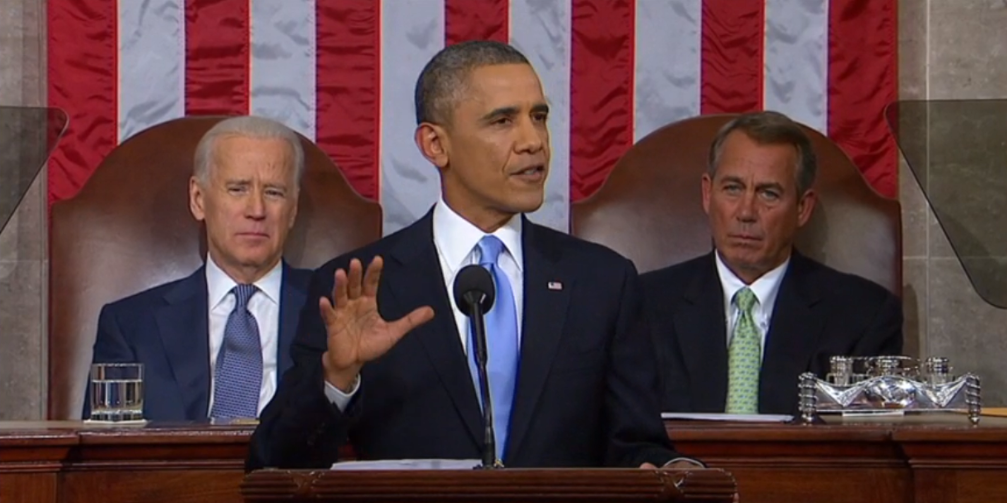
(356, 331)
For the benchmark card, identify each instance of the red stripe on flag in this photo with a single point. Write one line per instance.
(732, 56)
(348, 82)
(217, 56)
(601, 91)
(863, 79)
(482, 20)
(82, 80)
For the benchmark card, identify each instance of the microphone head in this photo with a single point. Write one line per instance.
(473, 283)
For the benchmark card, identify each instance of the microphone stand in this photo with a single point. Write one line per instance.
(489, 461)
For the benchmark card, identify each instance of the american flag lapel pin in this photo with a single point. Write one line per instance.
(555, 285)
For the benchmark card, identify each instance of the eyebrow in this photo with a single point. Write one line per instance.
(512, 111)
(758, 186)
(246, 182)
(501, 112)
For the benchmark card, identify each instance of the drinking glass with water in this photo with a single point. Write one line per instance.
(117, 392)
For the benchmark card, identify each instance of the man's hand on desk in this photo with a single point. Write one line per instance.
(357, 333)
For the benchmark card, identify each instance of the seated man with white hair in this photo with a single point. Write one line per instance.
(214, 344)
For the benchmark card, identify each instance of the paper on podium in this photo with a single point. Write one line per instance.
(409, 464)
(744, 418)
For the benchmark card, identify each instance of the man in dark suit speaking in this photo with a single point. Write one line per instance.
(571, 373)
(214, 344)
(736, 327)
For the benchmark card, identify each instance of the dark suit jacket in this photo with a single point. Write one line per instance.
(587, 385)
(819, 313)
(166, 329)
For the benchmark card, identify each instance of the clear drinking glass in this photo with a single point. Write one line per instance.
(117, 392)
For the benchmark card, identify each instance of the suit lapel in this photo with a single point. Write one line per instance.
(793, 334)
(544, 314)
(292, 296)
(702, 335)
(183, 327)
(417, 280)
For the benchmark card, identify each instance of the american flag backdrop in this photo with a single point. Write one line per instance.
(342, 72)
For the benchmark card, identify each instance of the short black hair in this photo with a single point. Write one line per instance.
(770, 128)
(443, 78)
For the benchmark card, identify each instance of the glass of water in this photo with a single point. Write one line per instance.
(117, 392)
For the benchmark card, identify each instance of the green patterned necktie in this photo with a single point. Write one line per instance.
(744, 359)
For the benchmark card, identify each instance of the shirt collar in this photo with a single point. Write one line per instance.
(456, 237)
(219, 284)
(765, 288)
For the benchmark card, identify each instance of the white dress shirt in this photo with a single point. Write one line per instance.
(264, 306)
(456, 240)
(765, 289)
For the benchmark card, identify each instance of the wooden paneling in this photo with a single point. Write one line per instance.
(27, 487)
(128, 485)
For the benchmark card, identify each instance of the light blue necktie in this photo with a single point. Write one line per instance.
(238, 373)
(502, 348)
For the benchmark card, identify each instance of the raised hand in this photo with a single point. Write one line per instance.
(356, 332)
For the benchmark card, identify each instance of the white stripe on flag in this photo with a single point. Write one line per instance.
(151, 64)
(542, 31)
(668, 51)
(797, 60)
(412, 32)
(283, 63)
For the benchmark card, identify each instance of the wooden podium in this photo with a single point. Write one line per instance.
(497, 486)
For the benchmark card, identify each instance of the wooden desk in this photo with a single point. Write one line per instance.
(884, 461)
(890, 462)
(68, 462)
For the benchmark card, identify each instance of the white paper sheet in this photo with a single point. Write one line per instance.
(744, 418)
(409, 464)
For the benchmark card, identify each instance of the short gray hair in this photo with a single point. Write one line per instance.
(247, 126)
(770, 128)
(444, 77)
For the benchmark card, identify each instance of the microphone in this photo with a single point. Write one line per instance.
(474, 295)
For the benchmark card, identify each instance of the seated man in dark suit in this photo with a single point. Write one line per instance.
(571, 374)
(736, 327)
(214, 344)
